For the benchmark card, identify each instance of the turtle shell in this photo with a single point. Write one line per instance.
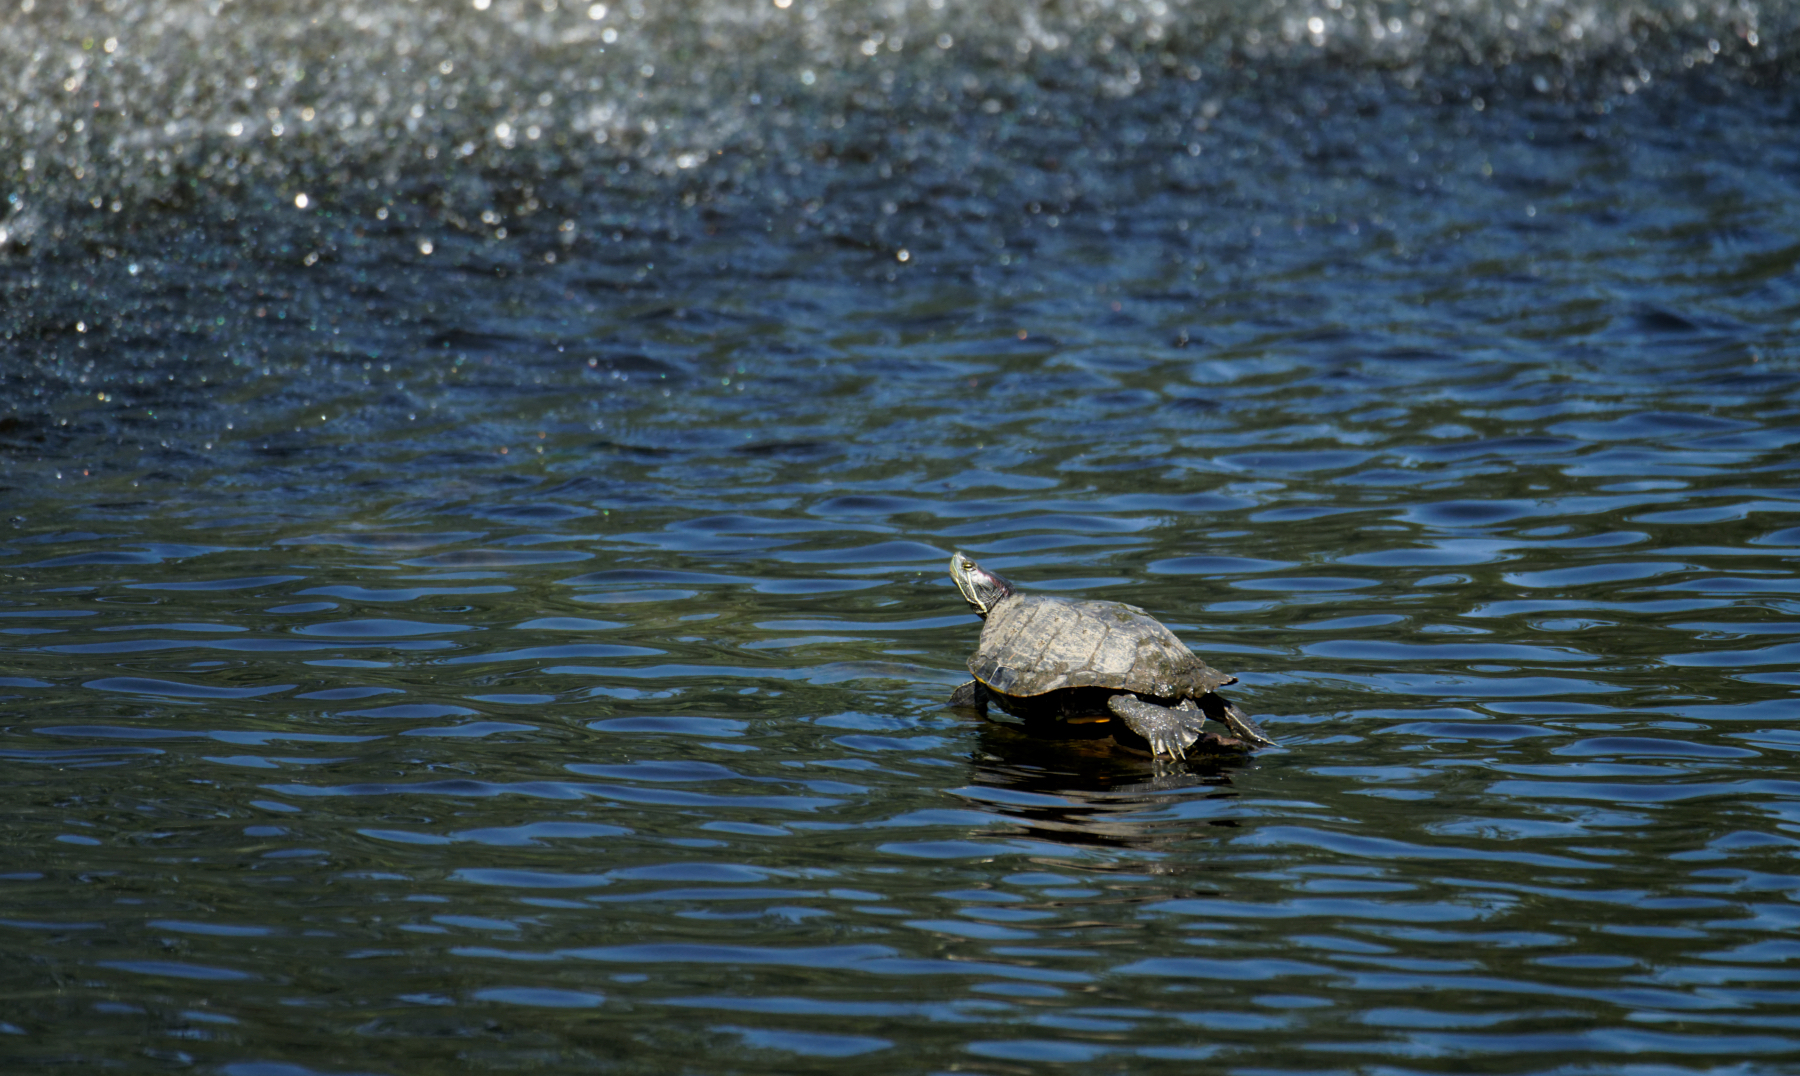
(1031, 645)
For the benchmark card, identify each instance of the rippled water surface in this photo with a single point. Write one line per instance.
(475, 599)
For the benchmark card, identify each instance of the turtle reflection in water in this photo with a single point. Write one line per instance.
(1092, 661)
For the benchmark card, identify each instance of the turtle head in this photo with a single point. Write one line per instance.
(980, 587)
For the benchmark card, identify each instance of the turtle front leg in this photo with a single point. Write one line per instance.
(1168, 731)
(970, 696)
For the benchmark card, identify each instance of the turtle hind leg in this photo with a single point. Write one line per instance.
(972, 695)
(1236, 720)
(1247, 730)
(1169, 732)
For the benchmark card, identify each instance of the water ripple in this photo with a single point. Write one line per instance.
(634, 733)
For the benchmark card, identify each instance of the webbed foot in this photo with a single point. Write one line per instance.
(1168, 731)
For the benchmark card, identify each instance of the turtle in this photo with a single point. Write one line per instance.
(1071, 660)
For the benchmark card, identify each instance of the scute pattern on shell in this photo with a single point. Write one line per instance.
(1031, 645)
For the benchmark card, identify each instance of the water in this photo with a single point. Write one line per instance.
(476, 599)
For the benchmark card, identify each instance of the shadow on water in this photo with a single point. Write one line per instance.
(1084, 789)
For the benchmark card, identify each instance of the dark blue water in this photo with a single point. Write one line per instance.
(475, 599)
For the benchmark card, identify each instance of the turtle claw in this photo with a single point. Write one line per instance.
(1161, 745)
